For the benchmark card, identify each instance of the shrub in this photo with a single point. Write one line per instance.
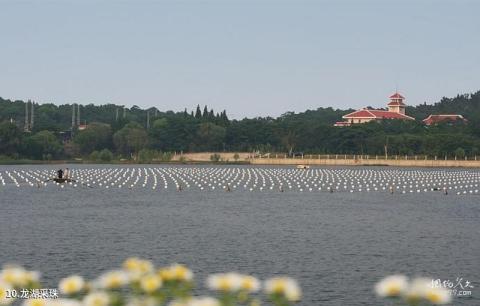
(94, 156)
(215, 158)
(105, 155)
(166, 156)
(146, 156)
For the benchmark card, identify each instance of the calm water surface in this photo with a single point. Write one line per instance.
(337, 245)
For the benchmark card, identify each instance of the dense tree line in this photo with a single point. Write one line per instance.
(115, 131)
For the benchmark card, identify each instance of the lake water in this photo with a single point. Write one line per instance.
(336, 244)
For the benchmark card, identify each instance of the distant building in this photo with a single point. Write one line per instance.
(82, 127)
(396, 110)
(65, 136)
(450, 118)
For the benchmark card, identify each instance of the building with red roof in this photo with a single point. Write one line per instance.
(449, 118)
(396, 110)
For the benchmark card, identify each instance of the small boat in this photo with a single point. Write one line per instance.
(303, 167)
(62, 180)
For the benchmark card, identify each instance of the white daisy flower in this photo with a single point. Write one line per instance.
(113, 279)
(285, 286)
(230, 282)
(438, 296)
(416, 290)
(15, 275)
(96, 299)
(181, 272)
(250, 283)
(150, 283)
(422, 288)
(71, 285)
(394, 285)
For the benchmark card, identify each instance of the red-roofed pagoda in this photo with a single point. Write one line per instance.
(396, 110)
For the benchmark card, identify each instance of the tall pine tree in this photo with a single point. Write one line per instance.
(198, 113)
(205, 112)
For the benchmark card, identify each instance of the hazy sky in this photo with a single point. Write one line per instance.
(249, 57)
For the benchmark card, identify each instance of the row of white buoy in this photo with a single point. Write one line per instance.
(255, 179)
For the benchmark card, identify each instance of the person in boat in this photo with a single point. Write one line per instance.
(60, 174)
(66, 173)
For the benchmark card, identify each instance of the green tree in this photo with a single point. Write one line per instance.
(10, 139)
(198, 113)
(210, 136)
(43, 144)
(289, 141)
(105, 155)
(96, 136)
(159, 133)
(94, 156)
(460, 153)
(205, 113)
(311, 131)
(130, 139)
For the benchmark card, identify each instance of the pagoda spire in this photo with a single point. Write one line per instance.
(396, 103)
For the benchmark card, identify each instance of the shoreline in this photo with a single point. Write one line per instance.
(274, 162)
(423, 163)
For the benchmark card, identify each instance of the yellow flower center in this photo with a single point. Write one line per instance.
(393, 290)
(114, 281)
(434, 297)
(224, 284)
(97, 301)
(71, 286)
(9, 277)
(131, 264)
(278, 287)
(145, 266)
(248, 283)
(181, 272)
(150, 283)
(166, 274)
(37, 302)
